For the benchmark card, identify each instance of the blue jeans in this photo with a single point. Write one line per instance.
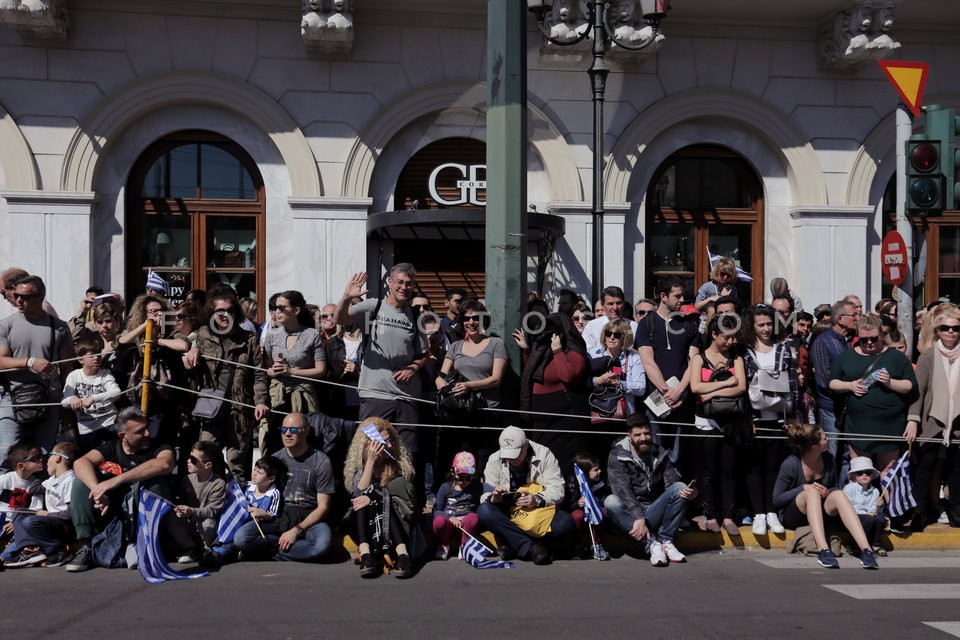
(315, 542)
(495, 519)
(663, 516)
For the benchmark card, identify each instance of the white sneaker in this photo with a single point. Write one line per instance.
(673, 554)
(759, 525)
(773, 523)
(657, 557)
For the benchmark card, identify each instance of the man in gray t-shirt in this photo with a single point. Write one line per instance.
(30, 342)
(395, 351)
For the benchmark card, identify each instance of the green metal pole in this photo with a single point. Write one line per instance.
(506, 169)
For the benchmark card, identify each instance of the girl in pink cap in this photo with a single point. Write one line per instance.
(456, 505)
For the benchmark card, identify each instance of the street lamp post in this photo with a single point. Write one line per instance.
(603, 35)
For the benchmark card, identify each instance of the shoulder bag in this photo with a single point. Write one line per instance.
(722, 407)
(33, 393)
(609, 403)
(770, 390)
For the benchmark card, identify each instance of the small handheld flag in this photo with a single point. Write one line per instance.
(370, 430)
(476, 554)
(591, 509)
(234, 513)
(900, 488)
(742, 275)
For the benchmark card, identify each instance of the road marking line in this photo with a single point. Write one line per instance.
(953, 628)
(898, 591)
(848, 561)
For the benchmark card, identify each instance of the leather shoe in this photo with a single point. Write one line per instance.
(539, 554)
(506, 552)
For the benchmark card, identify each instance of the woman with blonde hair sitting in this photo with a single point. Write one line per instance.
(379, 474)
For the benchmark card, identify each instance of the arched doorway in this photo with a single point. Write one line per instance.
(704, 197)
(195, 214)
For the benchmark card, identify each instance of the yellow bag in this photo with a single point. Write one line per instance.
(534, 521)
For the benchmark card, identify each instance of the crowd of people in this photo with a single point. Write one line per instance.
(379, 417)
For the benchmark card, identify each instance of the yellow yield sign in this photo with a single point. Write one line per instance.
(909, 79)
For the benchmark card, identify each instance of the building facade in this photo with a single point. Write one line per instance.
(272, 146)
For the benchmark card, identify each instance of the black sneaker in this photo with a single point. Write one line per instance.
(868, 559)
(83, 561)
(506, 552)
(539, 554)
(368, 568)
(827, 560)
(403, 569)
(28, 557)
(211, 560)
(58, 559)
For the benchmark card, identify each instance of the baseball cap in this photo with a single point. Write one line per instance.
(689, 310)
(464, 462)
(512, 440)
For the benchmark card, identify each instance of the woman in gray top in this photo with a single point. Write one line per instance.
(482, 360)
(292, 349)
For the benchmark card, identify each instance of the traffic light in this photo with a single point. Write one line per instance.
(942, 127)
(925, 182)
(932, 159)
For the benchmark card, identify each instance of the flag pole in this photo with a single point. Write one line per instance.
(469, 535)
(262, 534)
(593, 541)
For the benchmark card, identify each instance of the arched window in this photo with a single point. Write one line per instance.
(704, 197)
(195, 214)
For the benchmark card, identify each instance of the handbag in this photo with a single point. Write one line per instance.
(27, 393)
(534, 521)
(770, 390)
(608, 403)
(722, 407)
(449, 403)
(209, 404)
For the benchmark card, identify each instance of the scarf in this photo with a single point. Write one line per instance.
(951, 367)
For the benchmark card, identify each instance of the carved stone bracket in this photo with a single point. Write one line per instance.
(858, 35)
(327, 26)
(566, 22)
(570, 18)
(45, 19)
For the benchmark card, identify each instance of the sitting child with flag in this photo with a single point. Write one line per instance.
(201, 497)
(456, 505)
(867, 501)
(586, 470)
(260, 501)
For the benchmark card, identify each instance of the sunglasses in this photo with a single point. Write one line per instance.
(953, 328)
(641, 312)
(183, 316)
(863, 473)
(464, 477)
(291, 430)
(869, 339)
(471, 319)
(326, 316)
(422, 307)
(37, 457)
(195, 460)
(616, 335)
(25, 296)
(223, 312)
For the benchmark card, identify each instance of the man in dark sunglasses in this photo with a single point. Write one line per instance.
(31, 341)
(299, 533)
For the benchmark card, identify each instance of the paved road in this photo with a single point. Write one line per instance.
(739, 594)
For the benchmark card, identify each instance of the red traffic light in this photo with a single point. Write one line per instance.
(924, 157)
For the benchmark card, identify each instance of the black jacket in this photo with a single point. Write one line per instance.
(633, 482)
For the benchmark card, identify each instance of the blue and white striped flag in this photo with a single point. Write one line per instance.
(591, 509)
(742, 275)
(370, 430)
(234, 513)
(153, 567)
(474, 552)
(899, 487)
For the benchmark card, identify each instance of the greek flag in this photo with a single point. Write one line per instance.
(370, 430)
(591, 509)
(901, 491)
(152, 565)
(234, 513)
(742, 275)
(474, 552)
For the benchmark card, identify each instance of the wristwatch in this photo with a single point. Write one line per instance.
(301, 532)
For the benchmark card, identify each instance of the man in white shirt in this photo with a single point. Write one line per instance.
(612, 300)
